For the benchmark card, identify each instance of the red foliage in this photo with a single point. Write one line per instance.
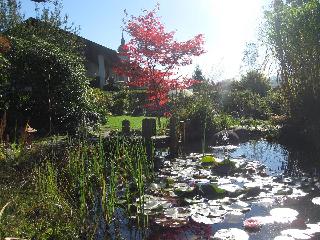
(152, 57)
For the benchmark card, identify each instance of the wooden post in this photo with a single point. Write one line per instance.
(182, 137)
(173, 137)
(149, 129)
(126, 127)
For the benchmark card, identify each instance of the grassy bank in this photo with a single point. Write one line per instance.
(115, 123)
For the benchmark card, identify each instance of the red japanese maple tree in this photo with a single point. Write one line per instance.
(152, 57)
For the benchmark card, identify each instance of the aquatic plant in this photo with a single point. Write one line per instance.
(207, 159)
(96, 179)
(224, 167)
(252, 224)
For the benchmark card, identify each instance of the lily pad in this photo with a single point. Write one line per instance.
(207, 210)
(224, 167)
(171, 223)
(266, 202)
(230, 187)
(316, 200)
(169, 182)
(153, 205)
(234, 217)
(177, 213)
(205, 219)
(298, 193)
(284, 213)
(283, 238)
(313, 228)
(296, 233)
(284, 191)
(184, 190)
(240, 206)
(211, 191)
(230, 234)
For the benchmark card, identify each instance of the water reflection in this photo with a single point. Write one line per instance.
(286, 201)
(277, 158)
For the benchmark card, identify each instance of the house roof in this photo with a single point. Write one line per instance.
(91, 49)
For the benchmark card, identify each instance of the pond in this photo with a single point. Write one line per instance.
(272, 193)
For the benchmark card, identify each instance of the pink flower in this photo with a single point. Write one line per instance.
(252, 224)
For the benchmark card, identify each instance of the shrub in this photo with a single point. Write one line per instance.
(49, 87)
(276, 101)
(100, 102)
(255, 82)
(120, 102)
(224, 121)
(137, 99)
(198, 111)
(246, 104)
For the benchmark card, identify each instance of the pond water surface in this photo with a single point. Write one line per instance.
(273, 195)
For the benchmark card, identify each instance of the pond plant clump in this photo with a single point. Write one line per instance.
(74, 190)
(90, 190)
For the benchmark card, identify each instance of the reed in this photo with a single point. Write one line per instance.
(97, 176)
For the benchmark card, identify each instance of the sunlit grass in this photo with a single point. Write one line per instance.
(115, 123)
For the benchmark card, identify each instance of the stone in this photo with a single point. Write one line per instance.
(225, 137)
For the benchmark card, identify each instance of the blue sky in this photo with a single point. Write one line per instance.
(226, 24)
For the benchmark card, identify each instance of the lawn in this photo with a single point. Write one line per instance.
(115, 123)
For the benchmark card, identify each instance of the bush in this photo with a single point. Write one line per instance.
(137, 99)
(248, 97)
(224, 121)
(276, 101)
(255, 82)
(49, 87)
(246, 104)
(101, 103)
(120, 102)
(199, 112)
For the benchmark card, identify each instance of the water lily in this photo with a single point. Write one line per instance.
(252, 224)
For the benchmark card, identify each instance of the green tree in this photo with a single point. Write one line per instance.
(250, 57)
(198, 76)
(47, 76)
(292, 33)
(255, 82)
(4, 65)
(248, 97)
(10, 14)
(49, 86)
(246, 103)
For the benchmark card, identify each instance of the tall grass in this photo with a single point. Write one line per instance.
(95, 177)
